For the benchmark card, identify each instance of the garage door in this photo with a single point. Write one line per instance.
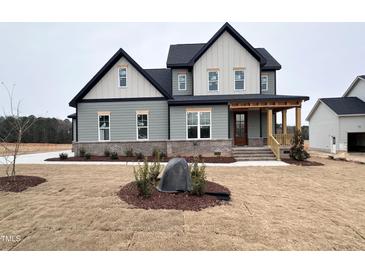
(356, 142)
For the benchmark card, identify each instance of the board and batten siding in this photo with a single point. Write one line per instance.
(137, 84)
(226, 54)
(323, 124)
(219, 123)
(189, 82)
(122, 120)
(271, 82)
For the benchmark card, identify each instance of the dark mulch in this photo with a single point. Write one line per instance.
(149, 158)
(20, 183)
(302, 163)
(178, 201)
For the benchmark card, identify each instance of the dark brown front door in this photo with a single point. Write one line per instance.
(240, 128)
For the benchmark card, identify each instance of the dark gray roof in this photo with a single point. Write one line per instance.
(72, 116)
(180, 55)
(345, 105)
(271, 63)
(224, 99)
(161, 76)
(362, 76)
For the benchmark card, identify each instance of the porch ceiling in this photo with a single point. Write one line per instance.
(270, 104)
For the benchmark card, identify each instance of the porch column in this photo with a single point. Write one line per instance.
(298, 118)
(283, 122)
(269, 123)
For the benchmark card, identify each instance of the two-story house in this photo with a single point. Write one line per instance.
(211, 98)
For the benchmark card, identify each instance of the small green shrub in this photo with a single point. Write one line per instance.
(106, 153)
(155, 152)
(155, 169)
(139, 155)
(87, 156)
(114, 156)
(297, 150)
(128, 152)
(63, 156)
(82, 152)
(141, 175)
(162, 155)
(198, 177)
(217, 153)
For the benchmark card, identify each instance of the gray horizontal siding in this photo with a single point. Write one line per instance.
(189, 82)
(219, 121)
(122, 120)
(272, 86)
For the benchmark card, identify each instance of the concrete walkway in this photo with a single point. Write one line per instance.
(39, 158)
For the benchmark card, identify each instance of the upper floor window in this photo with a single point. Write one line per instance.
(239, 80)
(198, 124)
(213, 80)
(104, 127)
(264, 82)
(142, 125)
(181, 81)
(122, 73)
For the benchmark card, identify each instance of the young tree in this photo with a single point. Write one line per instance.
(297, 150)
(18, 126)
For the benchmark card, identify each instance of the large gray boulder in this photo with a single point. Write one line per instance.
(176, 176)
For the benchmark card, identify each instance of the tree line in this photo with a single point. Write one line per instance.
(43, 130)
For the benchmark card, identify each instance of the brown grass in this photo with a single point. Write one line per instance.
(27, 148)
(272, 208)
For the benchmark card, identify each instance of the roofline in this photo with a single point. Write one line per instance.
(352, 85)
(316, 106)
(101, 73)
(227, 27)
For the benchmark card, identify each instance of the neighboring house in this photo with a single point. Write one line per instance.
(211, 97)
(338, 124)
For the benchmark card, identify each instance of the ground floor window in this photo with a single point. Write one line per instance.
(104, 127)
(142, 125)
(198, 125)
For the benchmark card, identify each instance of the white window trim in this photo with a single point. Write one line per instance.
(104, 114)
(267, 82)
(244, 79)
(210, 124)
(145, 112)
(126, 77)
(217, 71)
(178, 81)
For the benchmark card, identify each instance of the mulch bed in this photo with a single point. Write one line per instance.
(20, 183)
(149, 158)
(302, 163)
(178, 201)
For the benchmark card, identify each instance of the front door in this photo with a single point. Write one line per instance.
(240, 128)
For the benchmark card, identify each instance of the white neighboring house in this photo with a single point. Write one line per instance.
(338, 124)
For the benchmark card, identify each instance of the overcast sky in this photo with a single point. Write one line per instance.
(51, 62)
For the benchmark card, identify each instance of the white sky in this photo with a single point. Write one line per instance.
(51, 62)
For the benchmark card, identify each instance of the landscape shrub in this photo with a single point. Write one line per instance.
(142, 179)
(106, 153)
(156, 153)
(217, 153)
(155, 169)
(82, 152)
(87, 156)
(297, 150)
(139, 155)
(128, 152)
(114, 156)
(198, 177)
(63, 156)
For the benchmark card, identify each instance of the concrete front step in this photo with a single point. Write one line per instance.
(255, 159)
(252, 152)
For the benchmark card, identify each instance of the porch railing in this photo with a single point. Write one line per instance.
(274, 145)
(283, 139)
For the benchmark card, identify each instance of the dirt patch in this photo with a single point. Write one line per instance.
(149, 158)
(178, 201)
(20, 183)
(302, 163)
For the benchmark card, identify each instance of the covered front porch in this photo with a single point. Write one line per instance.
(254, 123)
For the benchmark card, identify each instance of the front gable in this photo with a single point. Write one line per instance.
(137, 84)
(225, 55)
(357, 88)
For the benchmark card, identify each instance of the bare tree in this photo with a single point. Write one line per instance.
(19, 125)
